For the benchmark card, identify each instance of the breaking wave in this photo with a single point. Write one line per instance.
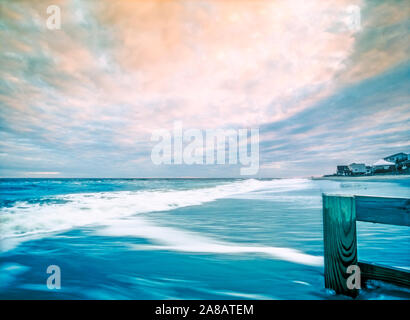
(27, 220)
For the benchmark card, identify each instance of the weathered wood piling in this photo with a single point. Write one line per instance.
(340, 214)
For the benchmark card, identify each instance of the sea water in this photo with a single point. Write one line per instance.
(183, 238)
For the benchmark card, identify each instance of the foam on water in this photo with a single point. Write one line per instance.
(270, 219)
(75, 210)
(26, 221)
(166, 238)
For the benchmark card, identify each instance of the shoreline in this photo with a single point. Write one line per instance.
(364, 178)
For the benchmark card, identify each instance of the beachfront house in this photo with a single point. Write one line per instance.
(357, 168)
(383, 166)
(405, 165)
(343, 171)
(398, 157)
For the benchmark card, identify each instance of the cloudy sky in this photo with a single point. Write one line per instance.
(83, 101)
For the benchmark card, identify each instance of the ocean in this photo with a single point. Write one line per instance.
(183, 238)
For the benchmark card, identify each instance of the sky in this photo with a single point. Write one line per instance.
(322, 87)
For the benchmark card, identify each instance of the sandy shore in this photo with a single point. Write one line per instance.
(364, 178)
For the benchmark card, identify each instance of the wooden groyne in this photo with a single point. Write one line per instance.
(340, 214)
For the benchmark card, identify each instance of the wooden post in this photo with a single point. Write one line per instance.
(340, 214)
(340, 242)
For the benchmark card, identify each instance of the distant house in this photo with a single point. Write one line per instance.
(383, 166)
(357, 168)
(343, 171)
(369, 170)
(405, 165)
(398, 157)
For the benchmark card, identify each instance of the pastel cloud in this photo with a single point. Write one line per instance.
(94, 91)
(384, 42)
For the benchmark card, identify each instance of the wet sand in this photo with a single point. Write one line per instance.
(378, 178)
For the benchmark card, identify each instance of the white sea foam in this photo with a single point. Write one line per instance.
(167, 238)
(26, 221)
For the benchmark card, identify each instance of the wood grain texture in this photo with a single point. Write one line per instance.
(340, 242)
(371, 271)
(394, 211)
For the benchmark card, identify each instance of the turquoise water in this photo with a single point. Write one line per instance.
(182, 238)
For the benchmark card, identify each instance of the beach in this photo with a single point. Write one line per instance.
(375, 178)
(182, 238)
